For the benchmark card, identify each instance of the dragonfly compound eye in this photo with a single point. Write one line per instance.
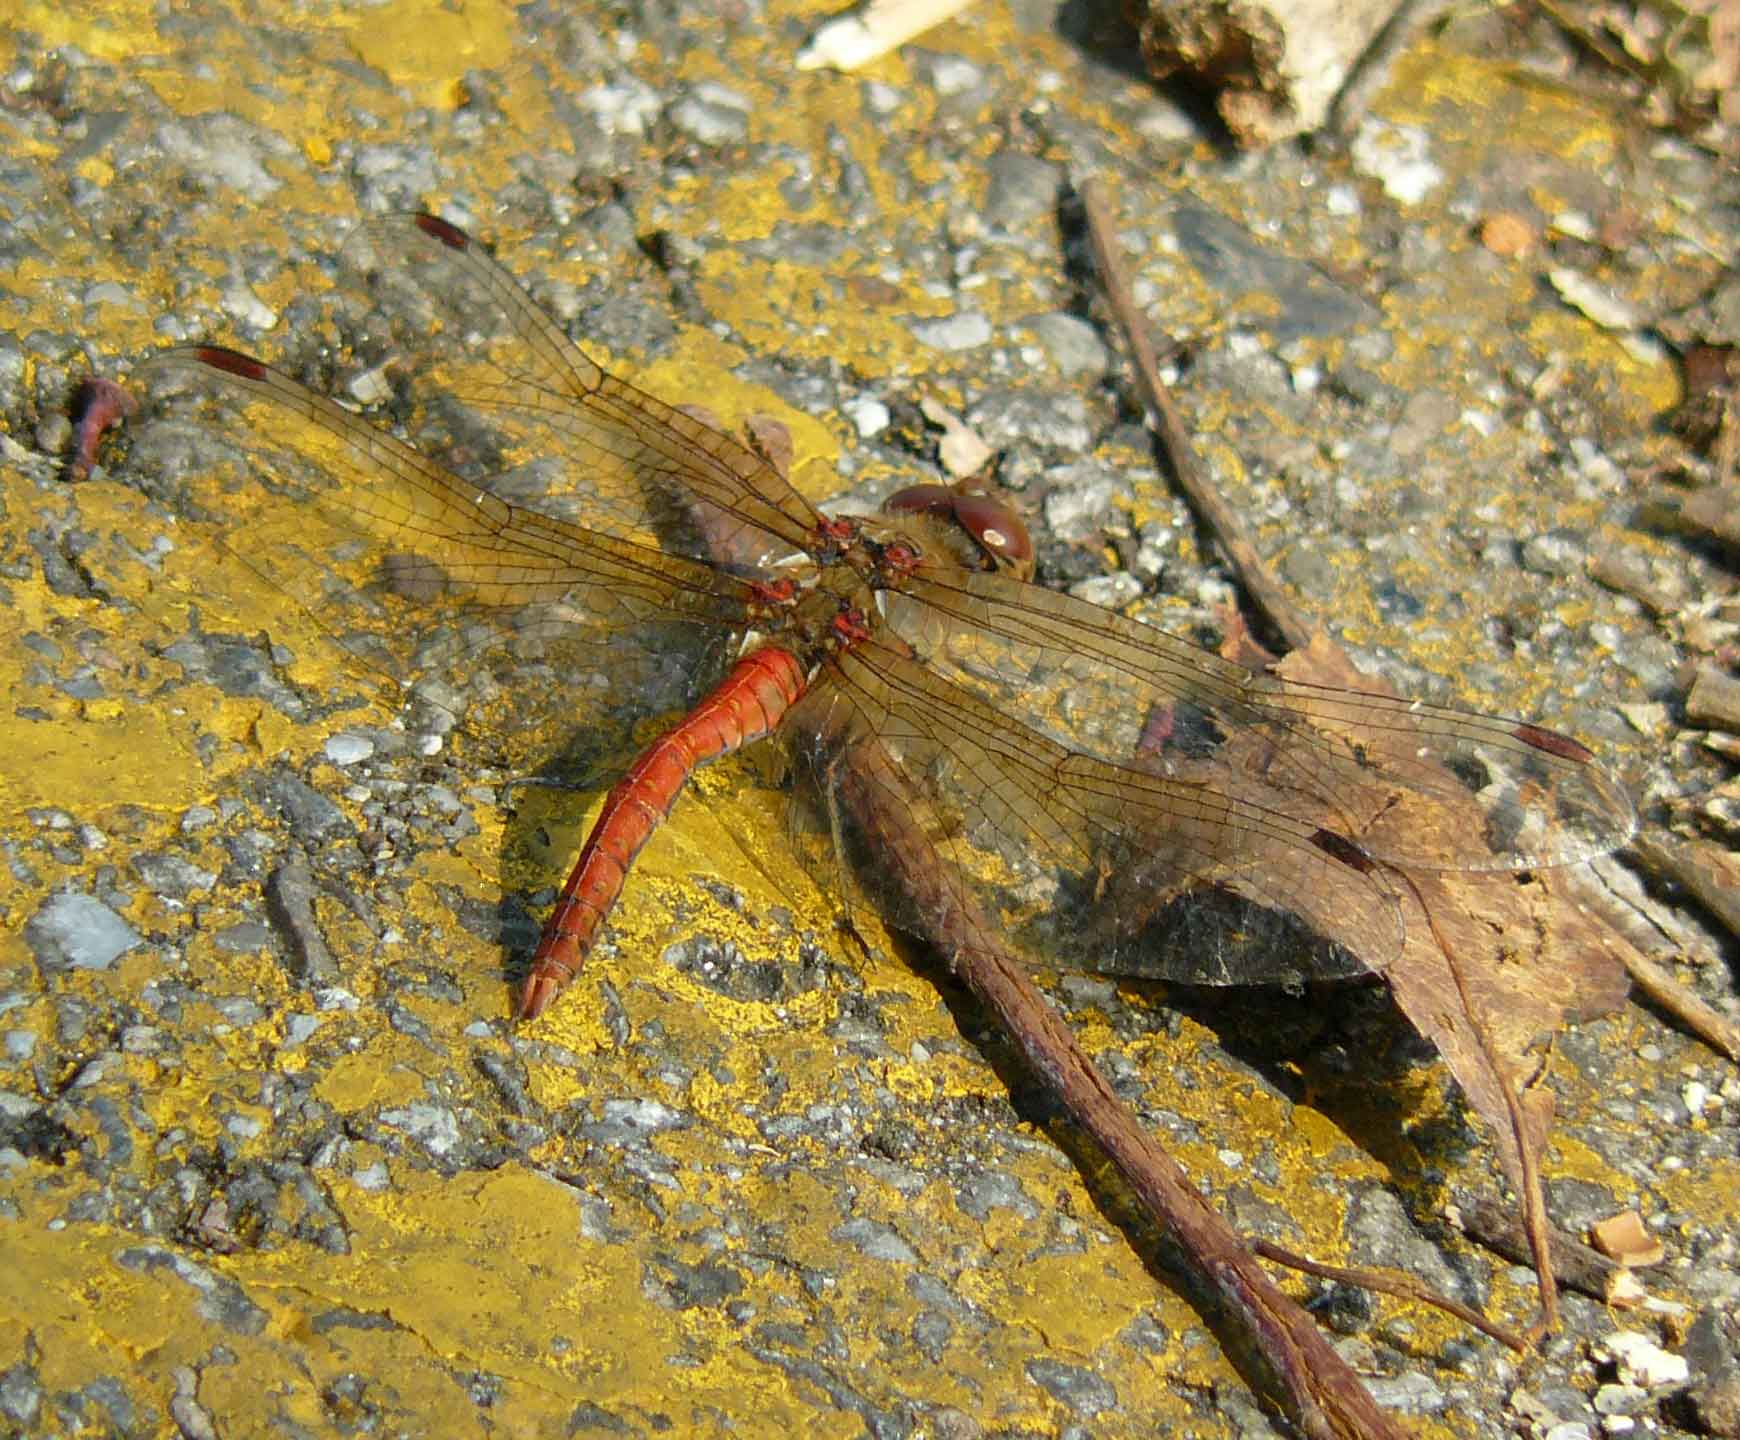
(993, 526)
(999, 531)
(938, 500)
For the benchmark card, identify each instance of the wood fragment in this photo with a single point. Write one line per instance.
(1623, 1238)
(1714, 510)
(851, 41)
(1392, 1282)
(1649, 951)
(1579, 1266)
(1628, 571)
(1317, 1388)
(1272, 67)
(1660, 988)
(1254, 573)
(1705, 871)
(1714, 699)
(1698, 874)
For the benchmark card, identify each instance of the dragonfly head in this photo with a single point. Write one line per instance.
(984, 533)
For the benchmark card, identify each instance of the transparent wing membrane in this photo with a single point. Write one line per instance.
(628, 464)
(1377, 768)
(429, 580)
(1085, 863)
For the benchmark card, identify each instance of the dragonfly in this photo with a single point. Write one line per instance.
(1114, 797)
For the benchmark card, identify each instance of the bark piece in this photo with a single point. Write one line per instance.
(1622, 1237)
(1274, 69)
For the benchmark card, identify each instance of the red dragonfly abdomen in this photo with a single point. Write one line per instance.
(744, 706)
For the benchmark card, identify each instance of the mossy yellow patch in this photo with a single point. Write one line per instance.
(699, 373)
(82, 764)
(441, 1276)
(1457, 93)
(109, 30)
(361, 1080)
(424, 48)
(1709, 1191)
(1647, 384)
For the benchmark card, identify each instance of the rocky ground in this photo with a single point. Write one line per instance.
(272, 1161)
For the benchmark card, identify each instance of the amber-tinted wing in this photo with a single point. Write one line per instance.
(423, 576)
(1383, 771)
(488, 371)
(1119, 800)
(1085, 863)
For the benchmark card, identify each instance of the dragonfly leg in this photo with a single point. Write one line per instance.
(744, 706)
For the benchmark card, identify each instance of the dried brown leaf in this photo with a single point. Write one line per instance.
(1492, 963)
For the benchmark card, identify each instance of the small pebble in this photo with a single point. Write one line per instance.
(1642, 1362)
(869, 416)
(348, 749)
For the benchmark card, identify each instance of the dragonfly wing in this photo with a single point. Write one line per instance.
(1396, 775)
(1092, 864)
(507, 382)
(413, 569)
